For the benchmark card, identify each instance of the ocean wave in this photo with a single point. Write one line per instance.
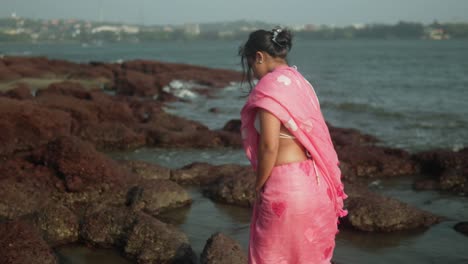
(361, 108)
(181, 89)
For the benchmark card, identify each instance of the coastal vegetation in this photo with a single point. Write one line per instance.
(17, 29)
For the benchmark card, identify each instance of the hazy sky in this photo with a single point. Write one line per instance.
(337, 12)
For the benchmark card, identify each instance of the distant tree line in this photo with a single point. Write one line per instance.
(27, 30)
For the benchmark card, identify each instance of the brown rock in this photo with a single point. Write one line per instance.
(146, 170)
(350, 136)
(214, 110)
(107, 226)
(201, 173)
(19, 91)
(448, 168)
(368, 211)
(24, 187)
(233, 126)
(166, 72)
(221, 249)
(110, 136)
(156, 196)
(21, 243)
(163, 137)
(26, 125)
(237, 189)
(136, 83)
(58, 224)
(79, 164)
(374, 161)
(152, 241)
(6, 74)
(29, 66)
(462, 227)
(67, 88)
(455, 180)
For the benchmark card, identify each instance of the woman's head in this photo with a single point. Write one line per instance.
(263, 51)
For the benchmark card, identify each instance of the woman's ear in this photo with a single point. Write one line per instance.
(259, 57)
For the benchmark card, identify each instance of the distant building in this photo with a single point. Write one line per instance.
(168, 29)
(116, 29)
(224, 34)
(358, 26)
(298, 27)
(310, 27)
(436, 34)
(192, 29)
(130, 29)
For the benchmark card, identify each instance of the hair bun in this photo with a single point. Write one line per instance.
(282, 37)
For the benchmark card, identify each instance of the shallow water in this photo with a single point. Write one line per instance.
(79, 254)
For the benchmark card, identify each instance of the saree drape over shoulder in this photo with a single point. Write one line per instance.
(296, 218)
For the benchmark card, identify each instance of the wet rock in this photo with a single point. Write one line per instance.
(135, 83)
(152, 241)
(462, 227)
(455, 180)
(143, 109)
(20, 91)
(233, 125)
(368, 211)
(201, 173)
(373, 162)
(6, 74)
(448, 168)
(107, 226)
(156, 196)
(166, 72)
(29, 66)
(183, 134)
(237, 189)
(100, 73)
(111, 136)
(83, 105)
(66, 88)
(80, 165)
(349, 136)
(146, 170)
(58, 224)
(214, 110)
(220, 249)
(26, 125)
(21, 243)
(25, 187)
(434, 162)
(98, 194)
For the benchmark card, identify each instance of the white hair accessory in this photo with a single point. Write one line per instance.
(276, 31)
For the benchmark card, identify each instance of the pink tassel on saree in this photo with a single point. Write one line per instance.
(295, 219)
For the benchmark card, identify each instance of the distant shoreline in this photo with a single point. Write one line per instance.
(18, 29)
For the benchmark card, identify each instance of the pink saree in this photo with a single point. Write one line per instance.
(295, 220)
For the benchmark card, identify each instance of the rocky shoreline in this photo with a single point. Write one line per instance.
(57, 186)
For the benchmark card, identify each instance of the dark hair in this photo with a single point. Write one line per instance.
(262, 40)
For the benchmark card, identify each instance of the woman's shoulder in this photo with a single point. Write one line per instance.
(278, 78)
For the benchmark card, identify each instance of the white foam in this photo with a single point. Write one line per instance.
(181, 89)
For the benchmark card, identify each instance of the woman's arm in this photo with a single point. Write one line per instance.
(267, 146)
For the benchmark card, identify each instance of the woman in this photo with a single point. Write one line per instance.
(299, 194)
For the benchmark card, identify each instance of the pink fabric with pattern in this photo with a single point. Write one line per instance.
(296, 221)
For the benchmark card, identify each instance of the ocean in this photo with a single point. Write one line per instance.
(411, 94)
